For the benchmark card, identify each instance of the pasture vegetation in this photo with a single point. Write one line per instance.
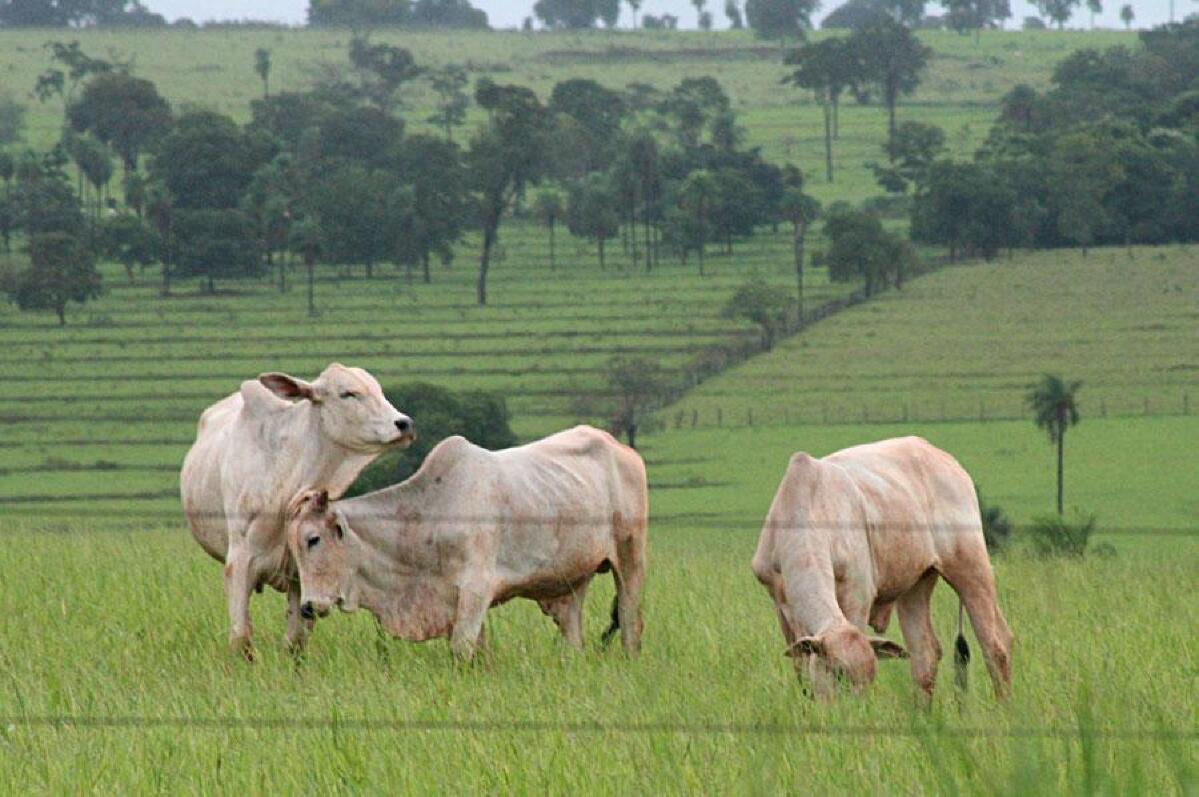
(121, 616)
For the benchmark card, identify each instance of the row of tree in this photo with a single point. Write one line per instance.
(1108, 155)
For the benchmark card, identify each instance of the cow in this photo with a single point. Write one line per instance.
(859, 531)
(474, 528)
(259, 446)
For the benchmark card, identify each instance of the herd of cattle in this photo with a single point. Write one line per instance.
(847, 538)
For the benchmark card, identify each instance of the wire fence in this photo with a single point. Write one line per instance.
(582, 727)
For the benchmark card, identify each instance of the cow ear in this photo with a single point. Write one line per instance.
(806, 646)
(886, 649)
(287, 387)
(320, 501)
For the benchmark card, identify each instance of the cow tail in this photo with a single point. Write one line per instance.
(615, 626)
(961, 654)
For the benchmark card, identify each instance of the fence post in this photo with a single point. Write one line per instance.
(786, 416)
(694, 417)
(1103, 408)
(982, 410)
(719, 417)
(905, 412)
(750, 416)
(1146, 405)
(824, 414)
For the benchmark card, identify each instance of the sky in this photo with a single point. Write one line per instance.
(510, 13)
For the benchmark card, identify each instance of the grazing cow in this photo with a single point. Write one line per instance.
(254, 450)
(474, 528)
(863, 529)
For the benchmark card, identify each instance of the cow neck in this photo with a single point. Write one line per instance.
(376, 522)
(332, 473)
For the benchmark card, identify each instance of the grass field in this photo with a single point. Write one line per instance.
(114, 673)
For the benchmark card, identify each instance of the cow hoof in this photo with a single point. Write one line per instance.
(242, 647)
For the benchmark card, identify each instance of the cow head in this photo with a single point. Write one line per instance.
(354, 412)
(843, 652)
(324, 549)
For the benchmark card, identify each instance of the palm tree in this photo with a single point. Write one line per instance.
(1052, 403)
(549, 209)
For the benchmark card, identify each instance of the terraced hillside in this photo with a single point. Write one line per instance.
(100, 413)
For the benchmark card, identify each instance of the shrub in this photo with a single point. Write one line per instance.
(997, 527)
(1054, 535)
(438, 413)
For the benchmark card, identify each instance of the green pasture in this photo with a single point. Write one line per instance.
(213, 69)
(116, 679)
(965, 343)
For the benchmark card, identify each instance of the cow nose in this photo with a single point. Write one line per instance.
(404, 425)
(307, 612)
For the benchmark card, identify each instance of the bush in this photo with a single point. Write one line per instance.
(1053, 535)
(997, 527)
(438, 413)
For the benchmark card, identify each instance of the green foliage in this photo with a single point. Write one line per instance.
(592, 211)
(123, 111)
(479, 416)
(358, 13)
(129, 240)
(780, 19)
(207, 161)
(61, 270)
(216, 244)
(12, 119)
(997, 526)
(452, 14)
(382, 70)
(1059, 11)
(43, 202)
(861, 249)
(760, 303)
(351, 203)
(966, 207)
(638, 387)
(1054, 535)
(431, 168)
(449, 83)
(575, 14)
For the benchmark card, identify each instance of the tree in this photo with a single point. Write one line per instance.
(974, 15)
(733, 12)
(93, 160)
(207, 161)
(124, 112)
(216, 243)
(449, 84)
(893, 59)
(61, 270)
(801, 210)
(1127, 15)
(912, 152)
(382, 71)
(575, 14)
(780, 19)
(639, 387)
(634, 9)
(262, 68)
(1058, 11)
(352, 205)
(549, 209)
(699, 11)
(356, 14)
(12, 119)
(598, 111)
(454, 14)
(826, 68)
(861, 249)
(761, 304)
(1095, 7)
(129, 240)
(505, 156)
(593, 211)
(1052, 401)
(432, 170)
(697, 198)
(306, 239)
(966, 207)
(43, 202)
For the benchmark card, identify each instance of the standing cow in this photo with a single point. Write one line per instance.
(474, 528)
(254, 450)
(863, 529)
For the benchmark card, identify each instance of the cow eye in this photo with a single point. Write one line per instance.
(313, 542)
(348, 394)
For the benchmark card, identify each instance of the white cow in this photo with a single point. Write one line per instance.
(257, 448)
(863, 529)
(474, 528)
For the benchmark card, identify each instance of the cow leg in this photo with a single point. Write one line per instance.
(915, 619)
(239, 582)
(630, 580)
(298, 628)
(468, 622)
(568, 613)
(975, 585)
